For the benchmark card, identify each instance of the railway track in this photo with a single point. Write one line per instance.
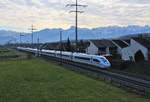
(137, 83)
(132, 74)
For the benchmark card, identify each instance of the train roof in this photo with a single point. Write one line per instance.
(52, 51)
(89, 56)
(74, 54)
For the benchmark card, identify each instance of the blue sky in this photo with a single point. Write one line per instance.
(20, 14)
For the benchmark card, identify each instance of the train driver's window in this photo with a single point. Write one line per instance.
(96, 60)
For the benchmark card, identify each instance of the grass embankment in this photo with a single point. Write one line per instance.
(6, 53)
(141, 68)
(36, 80)
(9, 53)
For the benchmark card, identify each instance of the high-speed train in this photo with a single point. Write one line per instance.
(94, 60)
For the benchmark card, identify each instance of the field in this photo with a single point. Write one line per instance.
(5, 52)
(141, 68)
(36, 80)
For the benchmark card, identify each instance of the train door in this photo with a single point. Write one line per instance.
(96, 61)
(71, 56)
(91, 60)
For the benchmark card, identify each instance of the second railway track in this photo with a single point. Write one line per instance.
(140, 84)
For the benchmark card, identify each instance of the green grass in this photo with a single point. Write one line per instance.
(39, 81)
(9, 53)
(3, 49)
(142, 68)
(6, 52)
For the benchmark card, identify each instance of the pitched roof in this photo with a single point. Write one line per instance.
(103, 43)
(128, 41)
(143, 42)
(56, 45)
(51, 46)
(147, 38)
(120, 43)
(84, 44)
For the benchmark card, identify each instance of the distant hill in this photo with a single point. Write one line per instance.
(6, 36)
(52, 35)
(135, 35)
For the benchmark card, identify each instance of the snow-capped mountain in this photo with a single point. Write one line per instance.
(52, 35)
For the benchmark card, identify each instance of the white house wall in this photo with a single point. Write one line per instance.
(126, 53)
(92, 49)
(107, 50)
(140, 47)
(132, 49)
(119, 49)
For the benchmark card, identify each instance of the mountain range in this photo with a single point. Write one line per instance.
(53, 35)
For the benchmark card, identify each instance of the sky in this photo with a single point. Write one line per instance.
(19, 15)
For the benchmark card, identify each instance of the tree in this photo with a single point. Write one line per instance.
(68, 47)
(81, 46)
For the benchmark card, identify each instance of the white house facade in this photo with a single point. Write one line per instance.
(101, 47)
(120, 45)
(92, 49)
(135, 50)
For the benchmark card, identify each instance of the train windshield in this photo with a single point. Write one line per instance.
(104, 60)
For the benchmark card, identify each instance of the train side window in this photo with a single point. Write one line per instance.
(95, 60)
(65, 55)
(50, 53)
(83, 58)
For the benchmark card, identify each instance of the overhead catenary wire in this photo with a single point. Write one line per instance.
(32, 30)
(76, 11)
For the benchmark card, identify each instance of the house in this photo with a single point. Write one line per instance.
(139, 49)
(101, 47)
(127, 41)
(51, 46)
(134, 49)
(120, 45)
(82, 45)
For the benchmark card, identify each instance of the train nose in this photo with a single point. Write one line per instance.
(107, 64)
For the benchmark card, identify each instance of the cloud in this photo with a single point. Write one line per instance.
(135, 1)
(54, 14)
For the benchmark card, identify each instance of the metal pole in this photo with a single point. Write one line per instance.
(38, 41)
(76, 30)
(20, 39)
(32, 35)
(61, 47)
(76, 20)
(32, 29)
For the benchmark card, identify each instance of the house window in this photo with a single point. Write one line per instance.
(113, 50)
(149, 51)
(131, 58)
(102, 51)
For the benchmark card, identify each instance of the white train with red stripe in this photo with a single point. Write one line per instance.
(94, 60)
